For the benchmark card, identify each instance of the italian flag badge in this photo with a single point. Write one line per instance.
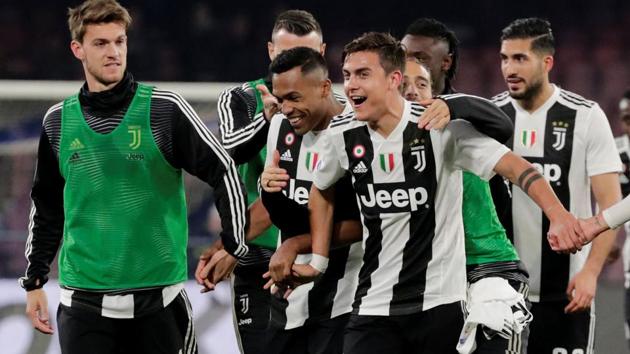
(311, 161)
(528, 137)
(387, 162)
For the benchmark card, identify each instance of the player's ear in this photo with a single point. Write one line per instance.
(548, 62)
(326, 87)
(322, 49)
(447, 62)
(395, 79)
(77, 49)
(270, 50)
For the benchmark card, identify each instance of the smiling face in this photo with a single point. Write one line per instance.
(432, 52)
(524, 70)
(416, 81)
(367, 85)
(302, 98)
(103, 52)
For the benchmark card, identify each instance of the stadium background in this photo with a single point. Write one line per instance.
(213, 43)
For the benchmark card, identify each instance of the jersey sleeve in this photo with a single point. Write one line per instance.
(243, 129)
(473, 151)
(199, 153)
(46, 217)
(601, 152)
(329, 169)
(484, 115)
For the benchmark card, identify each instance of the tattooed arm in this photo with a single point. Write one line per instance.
(564, 231)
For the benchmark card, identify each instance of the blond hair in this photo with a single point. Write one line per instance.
(94, 12)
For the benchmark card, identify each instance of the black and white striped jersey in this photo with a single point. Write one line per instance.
(623, 146)
(409, 188)
(332, 294)
(568, 139)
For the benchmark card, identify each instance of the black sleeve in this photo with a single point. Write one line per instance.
(47, 217)
(243, 130)
(197, 151)
(286, 214)
(484, 115)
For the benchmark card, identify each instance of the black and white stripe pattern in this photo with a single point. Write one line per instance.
(569, 140)
(409, 189)
(232, 134)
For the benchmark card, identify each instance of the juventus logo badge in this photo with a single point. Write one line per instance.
(418, 152)
(560, 132)
(244, 299)
(134, 130)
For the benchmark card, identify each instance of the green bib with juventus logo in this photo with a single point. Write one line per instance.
(124, 204)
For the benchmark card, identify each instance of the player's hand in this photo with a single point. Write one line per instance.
(581, 291)
(205, 257)
(212, 275)
(270, 102)
(37, 310)
(282, 261)
(565, 234)
(224, 266)
(593, 226)
(436, 116)
(274, 178)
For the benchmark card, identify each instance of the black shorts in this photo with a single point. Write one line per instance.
(169, 330)
(434, 331)
(251, 307)
(552, 331)
(322, 337)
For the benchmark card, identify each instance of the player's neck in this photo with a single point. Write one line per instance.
(388, 121)
(333, 108)
(533, 103)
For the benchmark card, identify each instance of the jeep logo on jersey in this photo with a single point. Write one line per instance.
(134, 130)
(386, 162)
(551, 171)
(297, 190)
(289, 139)
(560, 132)
(312, 158)
(393, 200)
(358, 151)
(528, 137)
(418, 153)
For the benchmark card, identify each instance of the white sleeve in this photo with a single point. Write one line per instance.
(272, 137)
(618, 213)
(474, 151)
(601, 152)
(328, 169)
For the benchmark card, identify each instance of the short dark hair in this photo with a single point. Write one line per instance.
(95, 12)
(297, 22)
(626, 94)
(432, 28)
(533, 27)
(306, 58)
(390, 52)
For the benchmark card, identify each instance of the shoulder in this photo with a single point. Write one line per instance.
(501, 99)
(415, 111)
(343, 122)
(575, 101)
(53, 113)
(167, 97)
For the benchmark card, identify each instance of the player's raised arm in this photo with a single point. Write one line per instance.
(564, 231)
